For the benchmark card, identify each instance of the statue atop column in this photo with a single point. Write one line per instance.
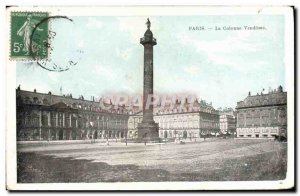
(148, 23)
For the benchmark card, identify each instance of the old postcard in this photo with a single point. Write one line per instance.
(150, 98)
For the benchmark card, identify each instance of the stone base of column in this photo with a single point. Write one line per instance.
(148, 132)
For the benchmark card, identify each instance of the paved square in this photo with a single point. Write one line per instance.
(220, 159)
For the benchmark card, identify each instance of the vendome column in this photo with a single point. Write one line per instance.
(148, 129)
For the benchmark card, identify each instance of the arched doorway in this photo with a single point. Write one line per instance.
(73, 134)
(61, 134)
(145, 135)
(165, 134)
(95, 134)
(184, 134)
(68, 134)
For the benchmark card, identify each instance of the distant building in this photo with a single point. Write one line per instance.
(227, 121)
(262, 115)
(227, 124)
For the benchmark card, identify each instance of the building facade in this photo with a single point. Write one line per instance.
(262, 115)
(133, 121)
(49, 117)
(188, 122)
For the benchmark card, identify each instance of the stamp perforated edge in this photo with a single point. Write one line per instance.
(27, 58)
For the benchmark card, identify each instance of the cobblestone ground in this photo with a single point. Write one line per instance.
(221, 159)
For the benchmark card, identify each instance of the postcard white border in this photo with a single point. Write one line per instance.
(11, 172)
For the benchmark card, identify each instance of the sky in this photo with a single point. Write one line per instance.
(218, 66)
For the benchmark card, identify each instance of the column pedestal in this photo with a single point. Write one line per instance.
(148, 131)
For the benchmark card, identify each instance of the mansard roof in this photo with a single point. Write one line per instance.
(56, 101)
(67, 102)
(260, 100)
(179, 107)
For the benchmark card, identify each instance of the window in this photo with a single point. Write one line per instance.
(45, 120)
(35, 100)
(248, 119)
(45, 101)
(27, 100)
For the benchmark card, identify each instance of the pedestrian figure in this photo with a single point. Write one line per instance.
(92, 138)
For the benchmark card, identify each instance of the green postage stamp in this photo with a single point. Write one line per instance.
(29, 35)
